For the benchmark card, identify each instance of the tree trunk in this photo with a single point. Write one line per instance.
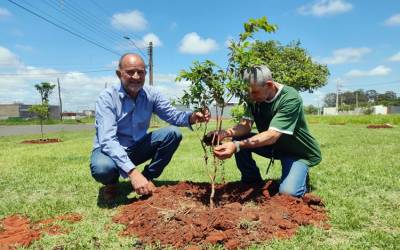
(41, 127)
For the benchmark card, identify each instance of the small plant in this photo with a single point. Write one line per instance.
(210, 84)
(248, 225)
(42, 111)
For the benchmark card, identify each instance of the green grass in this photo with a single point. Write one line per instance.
(355, 119)
(358, 180)
(21, 121)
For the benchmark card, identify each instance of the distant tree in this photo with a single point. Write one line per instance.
(361, 97)
(348, 97)
(372, 95)
(330, 100)
(45, 89)
(291, 65)
(310, 110)
(237, 112)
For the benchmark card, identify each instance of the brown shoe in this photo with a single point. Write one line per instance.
(109, 192)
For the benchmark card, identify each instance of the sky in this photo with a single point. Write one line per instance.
(79, 42)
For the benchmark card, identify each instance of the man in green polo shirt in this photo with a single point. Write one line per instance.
(277, 111)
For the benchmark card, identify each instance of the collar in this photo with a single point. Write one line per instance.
(280, 87)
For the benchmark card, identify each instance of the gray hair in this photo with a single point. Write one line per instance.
(257, 75)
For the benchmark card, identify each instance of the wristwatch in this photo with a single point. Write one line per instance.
(237, 144)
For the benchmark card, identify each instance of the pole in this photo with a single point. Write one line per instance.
(59, 97)
(337, 97)
(150, 51)
(356, 99)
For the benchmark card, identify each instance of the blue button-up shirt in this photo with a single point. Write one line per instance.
(122, 121)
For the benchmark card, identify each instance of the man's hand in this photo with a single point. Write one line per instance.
(225, 150)
(140, 184)
(200, 117)
(213, 137)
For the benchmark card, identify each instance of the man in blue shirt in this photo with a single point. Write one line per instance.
(121, 143)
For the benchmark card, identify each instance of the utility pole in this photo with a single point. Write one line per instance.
(59, 97)
(357, 100)
(337, 96)
(150, 52)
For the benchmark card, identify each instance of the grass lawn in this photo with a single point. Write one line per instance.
(358, 180)
(21, 121)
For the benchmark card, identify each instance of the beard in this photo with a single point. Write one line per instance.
(132, 87)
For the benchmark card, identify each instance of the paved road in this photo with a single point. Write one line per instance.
(35, 129)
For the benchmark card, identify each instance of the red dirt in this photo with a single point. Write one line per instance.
(42, 141)
(18, 231)
(179, 216)
(380, 126)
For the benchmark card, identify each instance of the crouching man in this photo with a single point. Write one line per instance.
(123, 114)
(277, 111)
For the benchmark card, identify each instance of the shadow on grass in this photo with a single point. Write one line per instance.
(124, 190)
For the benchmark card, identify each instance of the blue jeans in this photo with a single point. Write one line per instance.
(294, 172)
(159, 146)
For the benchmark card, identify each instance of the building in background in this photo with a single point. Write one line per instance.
(20, 110)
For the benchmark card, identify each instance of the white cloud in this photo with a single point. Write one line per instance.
(143, 43)
(167, 85)
(395, 57)
(380, 70)
(345, 55)
(8, 59)
(132, 20)
(79, 90)
(325, 8)
(393, 20)
(150, 37)
(4, 13)
(192, 43)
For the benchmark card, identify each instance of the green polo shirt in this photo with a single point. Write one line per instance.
(284, 113)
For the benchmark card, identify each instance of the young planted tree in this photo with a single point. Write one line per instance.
(209, 83)
(208, 86)
(42, 112)
(45, 89)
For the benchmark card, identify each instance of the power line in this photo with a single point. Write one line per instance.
(120, 34)
(106, 14)
(140, 51)
(83, 22)
(63, 28)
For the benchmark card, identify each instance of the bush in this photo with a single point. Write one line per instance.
(237, 112)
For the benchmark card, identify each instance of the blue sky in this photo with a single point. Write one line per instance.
(358, 40)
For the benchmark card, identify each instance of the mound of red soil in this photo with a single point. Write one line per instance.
(380, 126)
(18, 231)
(179, 216)
(42, 141)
